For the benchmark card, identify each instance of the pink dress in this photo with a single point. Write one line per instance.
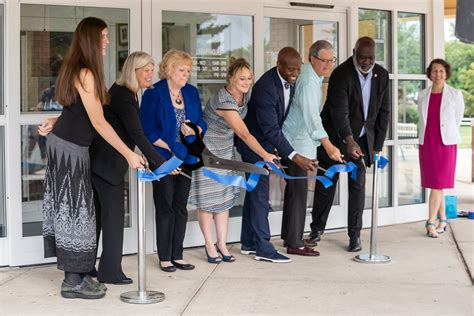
(437, 161)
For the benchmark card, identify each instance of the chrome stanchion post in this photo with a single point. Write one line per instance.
(142, 296)
(372, 257)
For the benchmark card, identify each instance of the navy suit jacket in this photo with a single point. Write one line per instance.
(266, 113)
(159, 120)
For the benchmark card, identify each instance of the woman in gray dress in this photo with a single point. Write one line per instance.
(224, 115)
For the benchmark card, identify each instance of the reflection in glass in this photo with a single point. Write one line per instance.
(33, 167)
(376, 24)
(384, 182)
(3, 218)
(300, 34)
(409, 178)
(410, 43)
(408, 108)
(1, 59)
(45, 37)
(211, 39)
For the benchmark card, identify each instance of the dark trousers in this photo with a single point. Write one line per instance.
(255, 231)
(294, 208)
(109, 207)
(170, 195)
(323, 198)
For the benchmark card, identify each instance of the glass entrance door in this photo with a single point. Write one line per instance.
(300, 29)
(212, 38)
(45, 35)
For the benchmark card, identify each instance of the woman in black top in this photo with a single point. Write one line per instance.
(109, 167)
(69, 222)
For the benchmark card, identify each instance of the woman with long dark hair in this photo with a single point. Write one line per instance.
(69, 222)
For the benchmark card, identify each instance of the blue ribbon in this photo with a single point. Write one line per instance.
(166, 168)
(253, 179)
(383, 162)
(349, 167)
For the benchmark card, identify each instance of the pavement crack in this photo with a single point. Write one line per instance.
(466, 266)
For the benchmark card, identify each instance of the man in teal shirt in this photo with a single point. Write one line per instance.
(305, 132)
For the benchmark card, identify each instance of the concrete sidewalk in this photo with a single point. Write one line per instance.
(427, 276)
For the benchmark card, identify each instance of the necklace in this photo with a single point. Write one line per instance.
(239, 101)
(176, 96)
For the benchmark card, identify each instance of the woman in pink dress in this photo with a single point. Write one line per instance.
(441, 109)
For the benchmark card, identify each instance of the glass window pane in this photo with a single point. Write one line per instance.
(407, 125)
(3, 218)
(33, 167)
(384, 182)
(376, 24)
(45, 37)
(300, 34)
(211, 39)
(409, 178)
(46, 34)
(1, 58)
(410, 43)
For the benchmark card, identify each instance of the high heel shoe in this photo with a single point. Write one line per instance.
(444, 229)
(428, 233)
(225, 258)
(210, 259)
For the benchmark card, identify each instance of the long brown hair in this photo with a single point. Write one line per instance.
(85, 52)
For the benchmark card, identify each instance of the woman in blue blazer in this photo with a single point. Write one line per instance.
(164, 111)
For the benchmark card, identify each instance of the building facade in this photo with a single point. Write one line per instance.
(35, 35)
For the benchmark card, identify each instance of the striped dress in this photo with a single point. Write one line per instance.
(206, 194)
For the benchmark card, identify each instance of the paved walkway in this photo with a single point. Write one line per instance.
(427, 276)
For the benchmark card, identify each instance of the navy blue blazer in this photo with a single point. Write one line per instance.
(266, 113)
(159, 120)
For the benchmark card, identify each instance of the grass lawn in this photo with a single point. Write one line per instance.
(466, 135)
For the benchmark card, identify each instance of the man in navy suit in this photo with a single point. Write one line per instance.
(267, 109)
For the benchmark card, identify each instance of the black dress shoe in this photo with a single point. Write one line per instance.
(170, 268)
(354, 245)
(123, 281)
(183, 266)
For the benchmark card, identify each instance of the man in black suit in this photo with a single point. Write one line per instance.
(267, 109)
(355, 116)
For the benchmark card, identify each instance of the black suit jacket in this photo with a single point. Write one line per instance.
(343, 114)
(123, 114)
(266, 113)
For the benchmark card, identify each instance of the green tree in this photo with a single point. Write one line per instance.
(461, 58)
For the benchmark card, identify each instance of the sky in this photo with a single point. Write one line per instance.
(449, 30)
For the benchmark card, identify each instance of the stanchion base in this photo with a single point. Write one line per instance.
(367, 258)
(146, 297)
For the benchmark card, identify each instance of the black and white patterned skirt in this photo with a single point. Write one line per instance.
(69, 223)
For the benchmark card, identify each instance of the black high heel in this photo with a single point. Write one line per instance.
(210, 259)
(225, 258)
(428, 233)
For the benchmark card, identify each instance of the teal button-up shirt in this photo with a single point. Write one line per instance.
(303, 127)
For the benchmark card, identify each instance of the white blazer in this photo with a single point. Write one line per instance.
(451, 114)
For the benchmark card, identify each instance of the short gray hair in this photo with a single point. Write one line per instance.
(317, 47)
(128, 77)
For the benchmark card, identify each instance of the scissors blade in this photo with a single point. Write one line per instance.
(212, 161)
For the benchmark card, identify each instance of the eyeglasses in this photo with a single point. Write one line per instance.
(326, 61)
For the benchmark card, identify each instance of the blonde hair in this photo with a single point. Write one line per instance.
(236, 65)
(171, 59)
(135, 61)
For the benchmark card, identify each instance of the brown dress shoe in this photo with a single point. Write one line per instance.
(305, 251)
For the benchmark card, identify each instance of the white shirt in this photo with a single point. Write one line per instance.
(286, 92)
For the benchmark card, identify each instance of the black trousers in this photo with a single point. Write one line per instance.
(323, 198)
(170, 195)
(109, 207)
(294, 207)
